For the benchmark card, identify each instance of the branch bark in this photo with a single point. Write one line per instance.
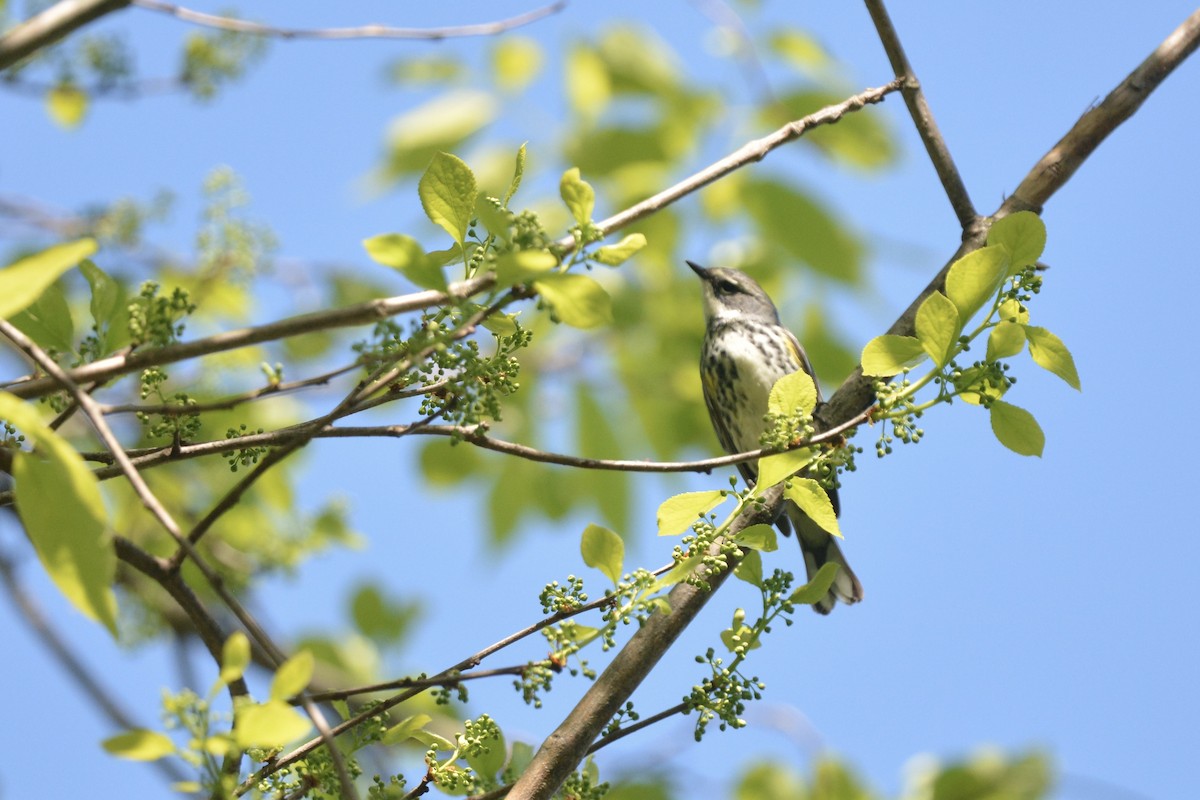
(53, 24)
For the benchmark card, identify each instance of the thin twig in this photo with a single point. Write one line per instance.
(361, 32)
(447, 681)
(748, 153)
(922, 117)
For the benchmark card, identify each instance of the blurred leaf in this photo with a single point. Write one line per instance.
(405, 254)
(139, 745)
(59, 503)
(448, 192)
(516, 60)
(799, 49)
(523, 265)
(445, 464)
(596, 438)
(235, 657)
(769, 781)
(268, 725)
(426, 70)
(381, 618)
(888, 355)
(587, 83)
(1049, 352)
(577, 300)
(676, 514)
(48, 321)
(813, 501)
(22, 281)
(1016, 429)
(603, 151)
(603, 550)
(615, 254)
(991, 777)
(441, 125)
(109, 308)
(859, 140)
(293, 676)
(67, 105)
(804, 228)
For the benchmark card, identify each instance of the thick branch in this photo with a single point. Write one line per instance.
(46, 28)
(1048, 176)
(359, 32)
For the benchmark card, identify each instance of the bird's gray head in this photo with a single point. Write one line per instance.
(730, 293)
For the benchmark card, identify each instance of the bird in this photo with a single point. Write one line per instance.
(745, 351)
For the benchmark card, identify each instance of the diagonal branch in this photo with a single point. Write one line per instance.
(360, 32)
(1048, 176)
(53, 24)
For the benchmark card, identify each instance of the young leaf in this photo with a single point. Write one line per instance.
(1023, 235)
(48, 320)
(938, 326)
(578, 194)
(1006, 340)
(139, 745)
(109, 309)
(67, 105)
(447, 191)
(577, 300)
(58, 500)
(818, 587)
(888, 355)
(793, 393)
(235, 657)
(292, 676)
(1051, 354)
(813, 501)
(487, 764)
(975, 278)
(614, 254)
(518, 173)
(268, 725)
(604, 550)
(23, 280)
(405, 728)
(522, 266)
(774, 468)
(405, 254)
(1011, 311)
(750, 569)
(1017, 429)
(676, 514)
(758, 537)
(497, 221)
(676, 574)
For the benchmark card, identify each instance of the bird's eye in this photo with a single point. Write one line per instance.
(726, 287)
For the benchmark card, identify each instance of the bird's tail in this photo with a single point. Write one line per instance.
(819, 549)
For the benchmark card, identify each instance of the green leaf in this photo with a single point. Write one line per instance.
(269, 725)
(1023, 235)
(518, 173)
(938, 326)
(596, 437)
(139, 745)
(22, 281)
(431, 739)
(487, 764)
(292, 676)
(520, 758)
(516, 60)
(1017, 429)
(1012, 311)
(440, 125)
(793, 393)
(109, 309)
(67, 105)
(858, 140)
(758, 537)
(447, 191)
(405, 728)
(1006, 340)
(235, 657)
(975, 278)
(523, 266)
(48, 320)
(774, 468)
(813, 501)
(816, 589)
(604, 550)
(615, 254)
(58, 500)
(888, 355)
(577, 300)
(750, 569)
(1050, 353)
(676, 573)
(405, 254)
(578, 194)
(380, 618)
(802, 225)
(497, 221)
(800, 49)
(676, 514)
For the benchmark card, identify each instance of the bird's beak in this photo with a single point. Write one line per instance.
(699, 270)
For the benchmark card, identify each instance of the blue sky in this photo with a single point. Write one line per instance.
(1010, 602)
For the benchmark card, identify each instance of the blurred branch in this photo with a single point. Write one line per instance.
(46, 28)
(748, 153)
(361, 32)
(1048, 176)
(922, 117)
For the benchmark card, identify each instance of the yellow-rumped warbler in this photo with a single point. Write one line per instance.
(745, 351)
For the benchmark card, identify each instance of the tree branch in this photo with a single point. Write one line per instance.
(373, 31)
(46, 28)
(922, 117)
